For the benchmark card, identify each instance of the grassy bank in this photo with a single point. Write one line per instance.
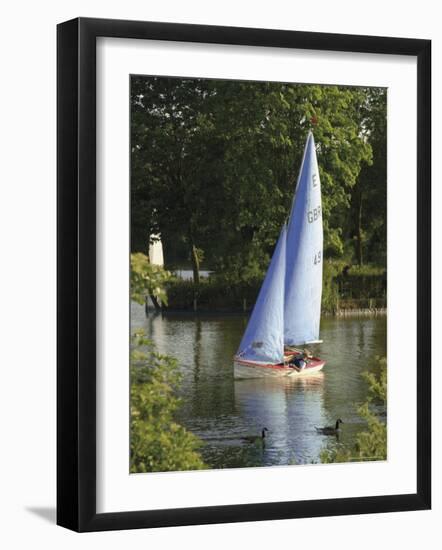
(343, 289)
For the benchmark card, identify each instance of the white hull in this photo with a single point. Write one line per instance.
(249, 369)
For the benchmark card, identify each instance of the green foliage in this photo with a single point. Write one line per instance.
(215, 164)
(214, 293)
(371, 444)
(232, 291)
(367, 224)
(146, 278)
(330, 292)
(378, 383)
(157, 442)
(362, 285)
(366, 270)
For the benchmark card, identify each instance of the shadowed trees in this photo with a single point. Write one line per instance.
(214, 165)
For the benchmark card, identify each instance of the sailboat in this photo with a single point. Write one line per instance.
(287, 312)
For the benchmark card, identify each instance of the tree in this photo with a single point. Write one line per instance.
(147, 279)
(369, 195)
(215, 163)
(157, 442)
(169, 129)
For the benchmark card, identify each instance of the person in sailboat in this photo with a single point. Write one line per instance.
(298, 361)
(301, 359)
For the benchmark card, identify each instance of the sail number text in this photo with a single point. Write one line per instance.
(313, 215)
(318, 258)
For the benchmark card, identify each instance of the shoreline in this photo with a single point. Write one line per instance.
(347, 312)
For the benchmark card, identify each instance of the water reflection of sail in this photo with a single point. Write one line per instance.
(289, 408)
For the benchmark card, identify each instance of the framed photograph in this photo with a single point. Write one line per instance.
(243, 274)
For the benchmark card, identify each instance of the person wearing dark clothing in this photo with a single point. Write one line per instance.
(298, 362)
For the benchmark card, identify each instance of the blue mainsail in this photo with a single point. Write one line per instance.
(263, 339)
(303, 280)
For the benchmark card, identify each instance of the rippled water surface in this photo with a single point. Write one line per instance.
(223, 411)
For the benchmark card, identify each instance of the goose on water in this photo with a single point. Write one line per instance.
(256, 438)
(331, 430)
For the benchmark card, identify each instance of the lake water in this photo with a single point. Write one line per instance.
(222, 411)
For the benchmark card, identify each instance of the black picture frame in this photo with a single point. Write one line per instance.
(76, 273)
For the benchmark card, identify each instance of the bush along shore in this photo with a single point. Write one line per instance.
(348, 292)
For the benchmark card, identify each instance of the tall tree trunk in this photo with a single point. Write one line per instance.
(359, 232)
(155, 302)
(194, 258)
(195, 264)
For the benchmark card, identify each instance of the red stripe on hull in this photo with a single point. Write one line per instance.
(312, 363)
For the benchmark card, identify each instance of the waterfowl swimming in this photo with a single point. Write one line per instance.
(256, 438)
(330, 430)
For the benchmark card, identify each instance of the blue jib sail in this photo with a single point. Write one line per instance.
(263, 339)
(303, 281)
